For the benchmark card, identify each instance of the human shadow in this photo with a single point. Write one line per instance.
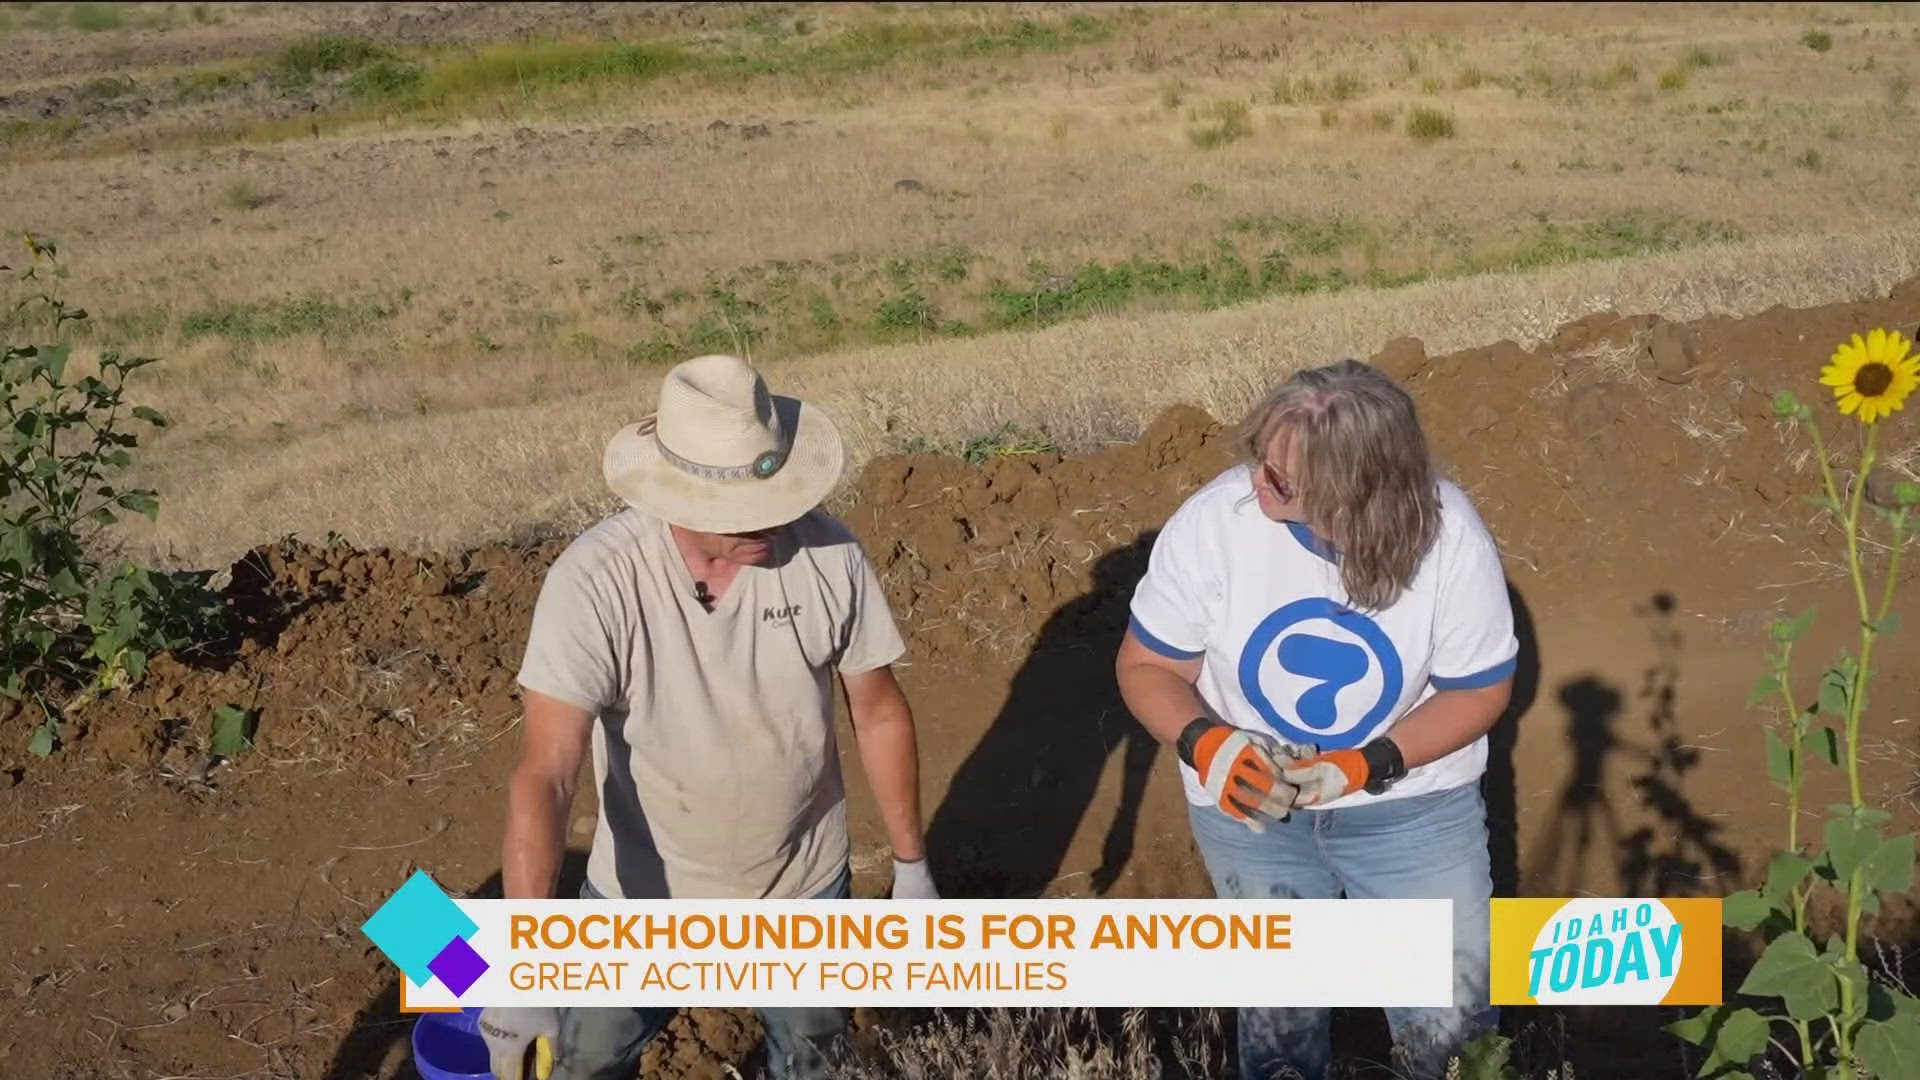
(1680, 852)
(1014, 805)
(1498, 785)
(380, 1025)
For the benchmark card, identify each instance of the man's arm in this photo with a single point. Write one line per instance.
(553, 743)
(883, 727)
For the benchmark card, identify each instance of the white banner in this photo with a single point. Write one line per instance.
(949, 953)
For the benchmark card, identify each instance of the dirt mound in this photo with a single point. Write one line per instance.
(1617, 437)
(1648, 504)
(977, 558)
(372, 659)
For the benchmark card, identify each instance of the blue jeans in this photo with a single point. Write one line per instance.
(1431, 846)
(608, 1043)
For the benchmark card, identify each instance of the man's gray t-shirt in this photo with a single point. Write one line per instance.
(713, 742)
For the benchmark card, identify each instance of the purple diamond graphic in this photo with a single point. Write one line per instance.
(458, 966)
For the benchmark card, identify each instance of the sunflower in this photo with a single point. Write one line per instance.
(1873, 376)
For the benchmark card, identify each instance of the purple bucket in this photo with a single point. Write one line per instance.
(448, 1046)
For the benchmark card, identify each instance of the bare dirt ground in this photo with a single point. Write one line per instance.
(166, 920)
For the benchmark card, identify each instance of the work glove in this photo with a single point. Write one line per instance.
(509, 1033)
(1323, 778)
(912, 881)
(1240, 769)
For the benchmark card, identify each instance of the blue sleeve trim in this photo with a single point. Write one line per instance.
(1154, 643)
(1308, 539)
(1478, 680)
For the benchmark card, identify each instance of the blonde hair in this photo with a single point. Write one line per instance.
(1368, 483)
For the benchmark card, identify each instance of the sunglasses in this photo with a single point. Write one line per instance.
(1281, 487)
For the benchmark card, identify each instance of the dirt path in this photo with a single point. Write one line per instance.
(160, 922)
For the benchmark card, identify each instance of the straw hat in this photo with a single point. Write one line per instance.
(721, 454)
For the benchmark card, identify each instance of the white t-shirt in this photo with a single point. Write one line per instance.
(1262, 603)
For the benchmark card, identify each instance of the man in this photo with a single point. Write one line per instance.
(692, 638)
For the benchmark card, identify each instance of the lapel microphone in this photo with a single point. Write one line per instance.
(701, 594)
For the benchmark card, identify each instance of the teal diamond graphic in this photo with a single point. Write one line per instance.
(415, 924)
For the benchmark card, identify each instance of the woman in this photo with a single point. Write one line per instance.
(1325, 629)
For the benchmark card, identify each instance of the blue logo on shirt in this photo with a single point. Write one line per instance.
(1319, 668)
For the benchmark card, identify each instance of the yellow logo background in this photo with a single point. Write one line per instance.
(1650, 951)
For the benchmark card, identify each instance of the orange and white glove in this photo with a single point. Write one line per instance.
(1323, 778)
(1240, 769)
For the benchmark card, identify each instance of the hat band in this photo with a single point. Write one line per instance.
(760, 468)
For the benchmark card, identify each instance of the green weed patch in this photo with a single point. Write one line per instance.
(848, 300)
(311, 314)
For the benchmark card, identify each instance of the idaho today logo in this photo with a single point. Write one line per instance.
(1606, 951)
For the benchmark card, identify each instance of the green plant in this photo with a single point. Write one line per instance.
(1845, 1023)
(233, 729)
(1702, 57)
(1425, 125)
(74, 623)
(244, 196)
(907, 311)
(385, 79)
(301, 61)
(1487, 1057)
(1621, 74)
(94, 17)
(1818, 40)
(1008, 440)
(1220, 123)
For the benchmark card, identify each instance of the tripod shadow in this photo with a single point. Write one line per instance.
(1012, 809)
(1583, 807)
(380, 1026)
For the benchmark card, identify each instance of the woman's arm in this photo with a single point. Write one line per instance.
(1158, 689)
(1449, 720)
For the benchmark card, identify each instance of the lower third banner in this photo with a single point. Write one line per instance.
(960, 953)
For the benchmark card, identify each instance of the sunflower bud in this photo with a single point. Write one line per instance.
(1787, 407)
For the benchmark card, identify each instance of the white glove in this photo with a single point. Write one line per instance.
(912, 881)
(509, 1031)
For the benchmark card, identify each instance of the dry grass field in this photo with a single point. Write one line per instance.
(406, 265)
